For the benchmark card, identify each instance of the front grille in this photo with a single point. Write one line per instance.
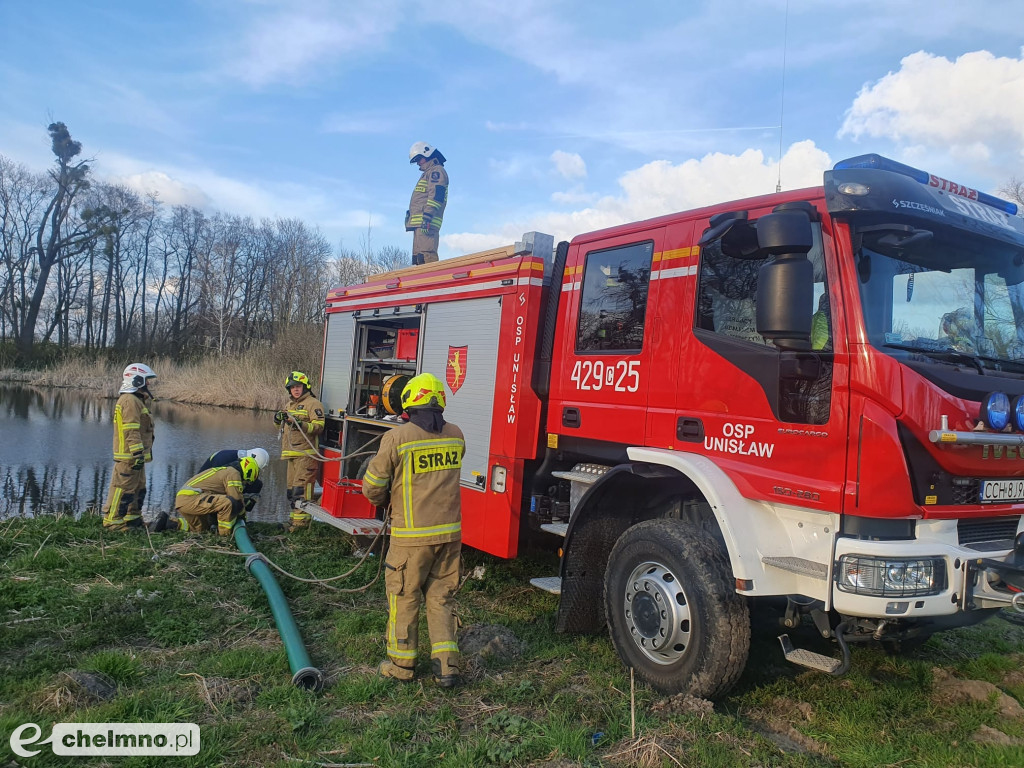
(966, 490)
(992, 532)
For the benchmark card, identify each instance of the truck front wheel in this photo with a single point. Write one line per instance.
(673, 613)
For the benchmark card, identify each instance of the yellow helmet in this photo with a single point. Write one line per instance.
(250, 469)
(425, 389)
(296, 377)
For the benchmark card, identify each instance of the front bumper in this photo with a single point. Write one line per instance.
(973, 580)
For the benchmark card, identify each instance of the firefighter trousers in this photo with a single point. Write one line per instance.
(202, 511)
(302, 472)
(123, 507)
(424, 244)
(428, 573)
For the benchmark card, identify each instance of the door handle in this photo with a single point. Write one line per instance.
(689, 429)
(571, 417)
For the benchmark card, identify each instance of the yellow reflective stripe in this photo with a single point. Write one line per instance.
(433, 530)
(118, 430)
(397, 654)
(447, 647)
(416, 218)
(225, 525)
(115, 502)
(407, 497)
(188, 492)
(421, 186)
(392, 615)
(372, 479)
(413, 444)
(191, 490)
(234, 483)
(125, 425)
(297, 454)
(136, 447)
(124, 456)
(433, 204)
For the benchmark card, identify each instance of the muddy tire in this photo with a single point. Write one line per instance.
(673, 612)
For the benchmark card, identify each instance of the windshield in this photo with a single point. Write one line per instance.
(942, 293)
(946, 294)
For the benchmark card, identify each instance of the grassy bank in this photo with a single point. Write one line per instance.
(253, 380)
(102, 628)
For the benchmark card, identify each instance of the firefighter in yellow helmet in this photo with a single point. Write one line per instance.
(133, 449)
(215, 494)
(301, 421)
(419, 465)
(429, 197)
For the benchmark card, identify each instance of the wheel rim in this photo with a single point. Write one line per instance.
(657, 613)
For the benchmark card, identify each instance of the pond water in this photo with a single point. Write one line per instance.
(56, 446)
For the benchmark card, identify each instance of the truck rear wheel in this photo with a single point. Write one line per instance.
(673, 613)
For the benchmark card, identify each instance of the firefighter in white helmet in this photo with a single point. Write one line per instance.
(302, 421)
(429, 197)
(133, 449)
(419, 465)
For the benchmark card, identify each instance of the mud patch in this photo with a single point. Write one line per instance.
(683, 704)
(490, 641)
(987, 735)
(949, 690)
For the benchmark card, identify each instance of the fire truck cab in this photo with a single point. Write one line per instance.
(816, 395)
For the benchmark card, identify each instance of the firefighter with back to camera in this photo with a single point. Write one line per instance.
(418, 465)
(301, 421)
(429, 198)
(133, 449)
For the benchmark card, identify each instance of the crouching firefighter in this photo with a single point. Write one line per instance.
(419, 465)
(133, 449)
(251, 490)
(212, 499)
(301, 422)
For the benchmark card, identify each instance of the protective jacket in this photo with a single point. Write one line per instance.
(220, 481)
(429, 197)
(420, 470)
(309, 412)
(226, 458)
(133, 428)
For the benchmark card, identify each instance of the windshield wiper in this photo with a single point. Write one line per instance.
(948, 354)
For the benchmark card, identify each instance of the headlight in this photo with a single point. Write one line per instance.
(885, 577)
(995, 410)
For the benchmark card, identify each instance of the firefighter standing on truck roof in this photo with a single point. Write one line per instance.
(301, 421)
(419, 464)
(429, 197)
(133, 449)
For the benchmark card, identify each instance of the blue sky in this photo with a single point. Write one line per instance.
(558, 115)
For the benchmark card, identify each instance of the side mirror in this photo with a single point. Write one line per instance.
(785, 285)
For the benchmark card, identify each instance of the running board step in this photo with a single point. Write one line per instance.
(798, 565)
(552, 584)
(559, 529)
(587, 474)
(808, 659)
(356, 526)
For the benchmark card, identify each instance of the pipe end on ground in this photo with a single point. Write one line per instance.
(310, 678)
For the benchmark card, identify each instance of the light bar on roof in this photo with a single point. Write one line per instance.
(879, 163)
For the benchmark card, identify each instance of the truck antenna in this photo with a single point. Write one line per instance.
(782, 98)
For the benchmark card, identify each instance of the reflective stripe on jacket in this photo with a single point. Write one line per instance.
(224, 481)
(420, 471)
(309, 412)
(133, 428)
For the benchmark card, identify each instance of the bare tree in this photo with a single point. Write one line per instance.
(58, 234)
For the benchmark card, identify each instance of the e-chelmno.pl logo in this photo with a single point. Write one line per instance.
(110, 739)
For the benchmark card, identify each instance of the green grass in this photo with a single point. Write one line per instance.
(177, 631)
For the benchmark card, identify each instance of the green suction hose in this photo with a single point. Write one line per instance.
(304, 674)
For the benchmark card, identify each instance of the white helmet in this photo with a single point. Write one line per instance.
(261, 456)
(135, 377)
(421, 149)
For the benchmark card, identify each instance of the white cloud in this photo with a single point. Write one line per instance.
(298, 38)
(167, 190)
(971, 108)
(569, 165)
(661, 187)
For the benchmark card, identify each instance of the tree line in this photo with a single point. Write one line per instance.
(97, 266)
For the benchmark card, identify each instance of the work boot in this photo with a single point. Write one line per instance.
(388, 668)
(417, 259)
(450, 678)
(159, 523)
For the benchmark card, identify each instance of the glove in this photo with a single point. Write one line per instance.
(248, 503)
(427, 218)
(280, 417)
(139, 461)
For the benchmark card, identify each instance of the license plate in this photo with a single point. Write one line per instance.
(993, 491)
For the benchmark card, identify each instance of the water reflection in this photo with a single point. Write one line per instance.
(55, 451)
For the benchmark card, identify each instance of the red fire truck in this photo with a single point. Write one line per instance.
(815, 395)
